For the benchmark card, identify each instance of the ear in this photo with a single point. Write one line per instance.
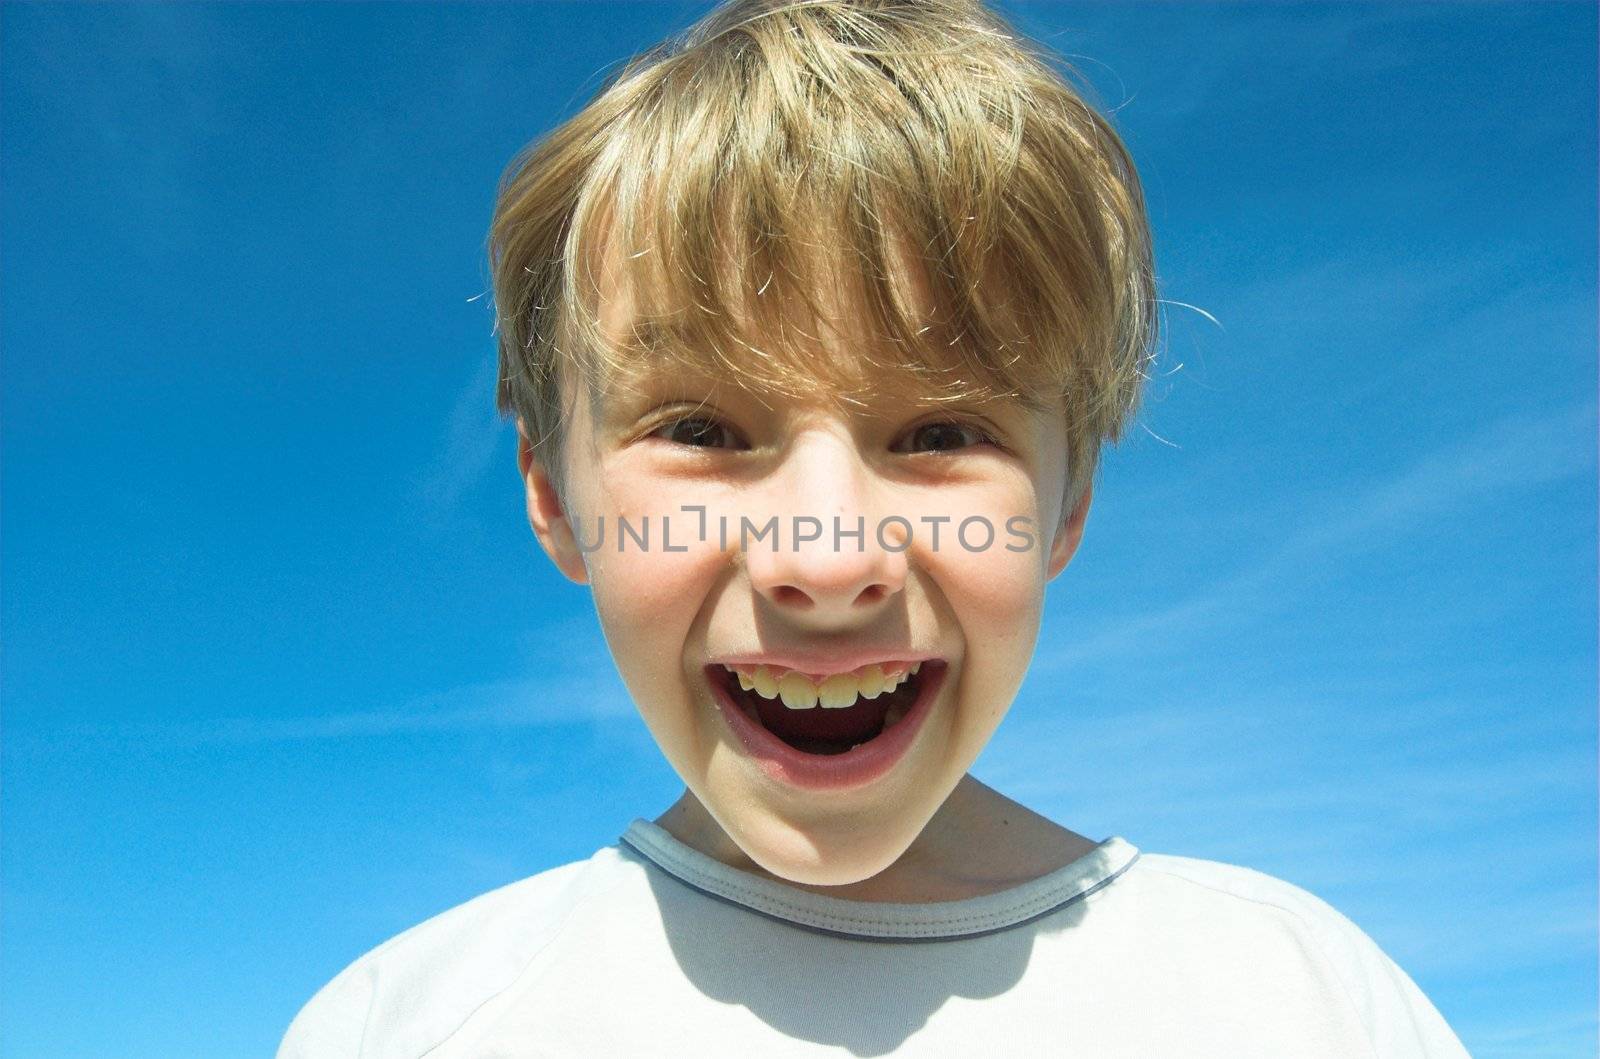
(1069, 535)
(546, 515)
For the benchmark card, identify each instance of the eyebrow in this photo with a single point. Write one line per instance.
(630, 394)
(649, 358)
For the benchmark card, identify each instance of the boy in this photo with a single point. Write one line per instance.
(812, 325)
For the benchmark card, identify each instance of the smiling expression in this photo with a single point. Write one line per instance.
(723, 647)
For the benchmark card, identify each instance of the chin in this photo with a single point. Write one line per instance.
(833, 851)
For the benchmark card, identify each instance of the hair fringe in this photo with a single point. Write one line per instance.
(911, 175)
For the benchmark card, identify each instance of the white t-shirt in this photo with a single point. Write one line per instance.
(651, 948)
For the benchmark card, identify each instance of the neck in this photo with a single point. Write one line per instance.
(978, 842)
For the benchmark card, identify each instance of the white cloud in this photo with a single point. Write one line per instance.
(472, 436)
(530, 702)
(1519, 452)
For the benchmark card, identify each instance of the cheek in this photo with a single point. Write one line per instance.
(644, 596)
(651, 594)
(999, 596)
(631, 574)
(647, 601)
(997, 599)
(995, 586)
(991, 555)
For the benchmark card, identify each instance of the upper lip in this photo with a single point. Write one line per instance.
(825, 664)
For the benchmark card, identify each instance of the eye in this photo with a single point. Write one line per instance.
(943, 436)
(700, 432)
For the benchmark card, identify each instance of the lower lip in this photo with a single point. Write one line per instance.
(830, 772)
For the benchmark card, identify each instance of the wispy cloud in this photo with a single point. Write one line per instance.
(1240, 44)
(1558, 1035)
(1516, 453)
(578, 698)
(1418, 851)
(472, 434)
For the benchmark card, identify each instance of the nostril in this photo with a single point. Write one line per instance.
(872, 593)
(791, 596)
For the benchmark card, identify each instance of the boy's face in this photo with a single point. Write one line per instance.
(669, 445)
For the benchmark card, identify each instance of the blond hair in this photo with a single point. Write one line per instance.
(780, 150)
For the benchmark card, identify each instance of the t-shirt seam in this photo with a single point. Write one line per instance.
(901, 933)
(523, 969)
(1312, 931)
(757, 895)
(361, 969)
(753, 896)
(366, 1016)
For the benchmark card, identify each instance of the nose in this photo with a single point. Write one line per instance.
(835, 561)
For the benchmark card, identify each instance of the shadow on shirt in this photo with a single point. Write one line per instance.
(867, 995)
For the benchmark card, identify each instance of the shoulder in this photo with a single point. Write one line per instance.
(413, 989)
(1398, 1016)
(1194, 879)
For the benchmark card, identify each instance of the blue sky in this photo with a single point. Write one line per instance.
(284, 672)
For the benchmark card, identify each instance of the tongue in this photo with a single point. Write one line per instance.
(828, 730)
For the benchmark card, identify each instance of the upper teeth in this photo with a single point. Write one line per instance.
(799, 692)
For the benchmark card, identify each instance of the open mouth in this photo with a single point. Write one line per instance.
(825, 716)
